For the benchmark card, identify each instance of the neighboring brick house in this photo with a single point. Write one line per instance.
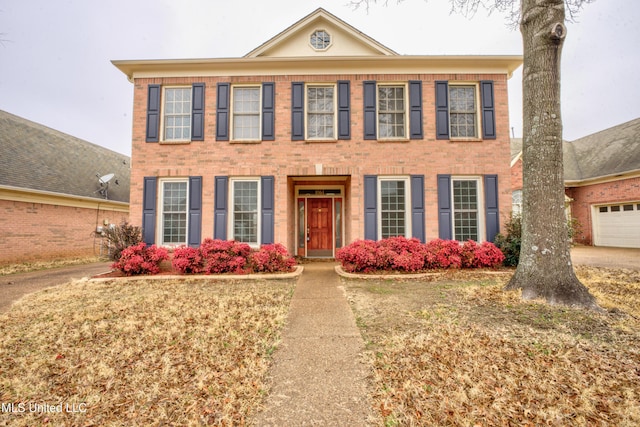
(602, 184)
(50, 196)
(319, 137)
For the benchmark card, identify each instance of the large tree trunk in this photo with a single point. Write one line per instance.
(545, 269)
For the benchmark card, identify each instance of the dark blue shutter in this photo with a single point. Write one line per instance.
(417, 207)
(149, 190)
(220, 208)
(370, 207)
(442, 110)
(268, 111)
(444, 207)
(222, 112)
(344, 109)
(268, 199)
(297, 111)
(492, 214)
(415, 109)
(369, 96)
(195, 211)
(153, 113)
(488, 110)
(197, 112)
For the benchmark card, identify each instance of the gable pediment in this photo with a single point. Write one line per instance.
(343, 40)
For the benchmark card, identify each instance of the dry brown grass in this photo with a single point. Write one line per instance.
(462, 352)
(43, 265)
(141, 353)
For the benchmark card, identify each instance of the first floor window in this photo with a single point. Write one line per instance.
(466, 210)
(320, 112)
(177, 114)
(245, 211)
(394, 209)
(391, 112)
(174, 212)
(462, 111)
(246, 113)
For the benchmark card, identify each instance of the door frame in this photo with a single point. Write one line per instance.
(302, 193)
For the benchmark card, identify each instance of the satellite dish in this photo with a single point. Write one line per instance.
(106, 178)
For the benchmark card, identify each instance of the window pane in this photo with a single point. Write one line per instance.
(391, 111)
(245, 211)
(465, 206)
(462, 111)
(392, 208)
(177, 114)
(174, 212)
(246, 113)
(320, 112)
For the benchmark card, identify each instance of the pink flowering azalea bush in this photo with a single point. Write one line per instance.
(228, 256)
(409, 255)
(141, 259)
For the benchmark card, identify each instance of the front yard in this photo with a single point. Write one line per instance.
(456, 351)
(462, 352)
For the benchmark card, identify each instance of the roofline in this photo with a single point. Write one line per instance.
(420, 64)
(603, 179)
(28, 195)
(309, 18)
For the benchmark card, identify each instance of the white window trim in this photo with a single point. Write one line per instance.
(404, 137)
(481, 213)
(232, 125)
(160, 215)
(334, 137)
(163, 113)
(230, 231)
(478, 135)
(407, 203)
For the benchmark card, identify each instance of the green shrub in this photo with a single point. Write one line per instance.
(510, 242)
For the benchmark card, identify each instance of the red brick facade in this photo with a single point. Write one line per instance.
(45, 232)
(344, 161)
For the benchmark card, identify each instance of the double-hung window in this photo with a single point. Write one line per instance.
(246, 113)
(463, 111)
(177, 114)
(467, 209)
(394, 207)
(392, 111)
(174, 212)
(321, 117)
(245, 197)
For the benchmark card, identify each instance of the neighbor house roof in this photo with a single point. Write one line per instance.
(605, 154)
(35, 157)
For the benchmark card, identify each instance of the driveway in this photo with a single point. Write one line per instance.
(597, 256)
(14, 286)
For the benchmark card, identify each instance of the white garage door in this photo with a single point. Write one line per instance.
(617, 225)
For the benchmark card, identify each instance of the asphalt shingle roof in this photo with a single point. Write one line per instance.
(36, 157)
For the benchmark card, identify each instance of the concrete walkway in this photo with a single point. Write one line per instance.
(318, 377)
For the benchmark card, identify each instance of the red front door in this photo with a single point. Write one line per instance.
(320, 227)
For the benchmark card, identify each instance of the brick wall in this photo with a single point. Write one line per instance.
(353, 158)
(624, 190)
(44, 232)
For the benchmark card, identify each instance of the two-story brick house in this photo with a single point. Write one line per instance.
(319, 137)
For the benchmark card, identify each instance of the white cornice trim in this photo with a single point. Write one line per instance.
(602, 179)
(441, 64)
(27, 195)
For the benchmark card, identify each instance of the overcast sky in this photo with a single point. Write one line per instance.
(55, 55)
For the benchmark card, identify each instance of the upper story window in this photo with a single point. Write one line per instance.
(320, 40)
(246, 113)
(177, 114)
(391, 111)
(321, 112)
(463, 111)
